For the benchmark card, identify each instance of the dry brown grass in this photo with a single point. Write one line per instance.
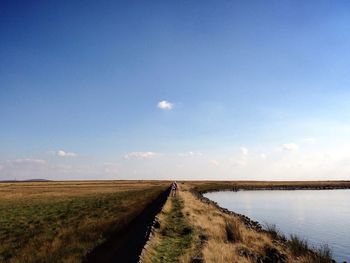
(66, 189)
(213, 243)
(211, 225)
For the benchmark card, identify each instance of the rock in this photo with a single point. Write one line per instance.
(273, 256)
(197, 260)
(156, 224)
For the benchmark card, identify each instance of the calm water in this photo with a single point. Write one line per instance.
(320, 216)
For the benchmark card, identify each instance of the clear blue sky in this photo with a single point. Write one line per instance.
(80, 82)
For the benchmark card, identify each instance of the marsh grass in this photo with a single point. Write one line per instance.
(323, 255)
(233, 231)
(275, 232)
(298, 246)
(57, 228)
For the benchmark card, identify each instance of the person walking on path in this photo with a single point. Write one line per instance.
(173, 188)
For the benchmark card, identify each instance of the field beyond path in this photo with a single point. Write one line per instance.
(64, 221)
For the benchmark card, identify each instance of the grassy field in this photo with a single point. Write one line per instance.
(63, 221)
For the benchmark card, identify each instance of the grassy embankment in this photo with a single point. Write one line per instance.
(221, 237)
(173, 237)
(63, 221)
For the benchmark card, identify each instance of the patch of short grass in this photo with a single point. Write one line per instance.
(176, 235)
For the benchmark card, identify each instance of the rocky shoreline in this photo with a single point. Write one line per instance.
(247, 221)
(255, 225)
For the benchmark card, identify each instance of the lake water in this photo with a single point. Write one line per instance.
(320, 216)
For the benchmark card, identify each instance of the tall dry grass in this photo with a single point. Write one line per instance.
(222, 237)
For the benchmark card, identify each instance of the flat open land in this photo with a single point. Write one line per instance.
(90, 221)
(64, 221)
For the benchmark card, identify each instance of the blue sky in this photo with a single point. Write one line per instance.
(257, 90)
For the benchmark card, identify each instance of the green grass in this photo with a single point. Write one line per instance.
(65, 229)
(176, 236)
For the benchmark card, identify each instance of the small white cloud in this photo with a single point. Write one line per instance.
(290, 147)
(140, 155)
(62, 153)
(263, 156)
(244, 151)
(190, 154)
(310, 140)
(165, 105)
(214, 162)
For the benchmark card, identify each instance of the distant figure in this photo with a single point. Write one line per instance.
(173, 188)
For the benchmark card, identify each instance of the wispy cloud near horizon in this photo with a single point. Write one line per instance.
(62, 153)
(140, 155)
(190, 154)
